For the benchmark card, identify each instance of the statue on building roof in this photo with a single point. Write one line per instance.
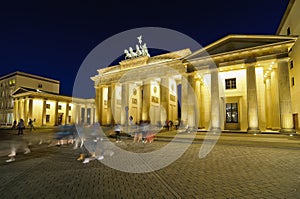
(132, 53)
(141, 50)
(127, 54)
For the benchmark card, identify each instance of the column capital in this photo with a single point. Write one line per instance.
(284, 59)
(250, 60)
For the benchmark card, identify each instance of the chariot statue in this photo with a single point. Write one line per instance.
(141, 50)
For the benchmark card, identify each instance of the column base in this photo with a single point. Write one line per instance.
(215, 129)
(253, 131)
(287, 131)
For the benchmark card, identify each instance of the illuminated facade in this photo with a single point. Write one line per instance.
(52, 109)
(26, 96)
(243, 84)
(9, 83)
(290, 26)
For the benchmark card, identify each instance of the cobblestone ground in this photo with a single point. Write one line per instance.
(228, 171)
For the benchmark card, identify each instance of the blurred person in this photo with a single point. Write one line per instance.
(145, 129)
(118, 129)
(17, 145)
(137, 133)
(94, 143)
(14, 124)
(21, 126)
(30, 125)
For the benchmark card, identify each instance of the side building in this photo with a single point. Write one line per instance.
(290, 26)
(9, 83)
(37, 98)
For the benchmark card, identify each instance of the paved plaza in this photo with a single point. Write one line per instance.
(238, 166)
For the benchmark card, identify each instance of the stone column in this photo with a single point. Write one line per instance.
(78, 114)
(30, 107)
(109, 105)
(56, 114)
(285, 102)
(146, 100)
(26, 119)
(164, 99)
(198, 100)
(124, 103)
(275, 119)
(85, 114)
(215, 102)
(92, 114)
(253, 126)
(44, 114)
(192, 103)
(21, 109)
(16, 108)
(268, 102)
(67, 113)
(184, 100)
(99, 103)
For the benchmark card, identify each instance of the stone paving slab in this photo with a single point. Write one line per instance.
(234, 170)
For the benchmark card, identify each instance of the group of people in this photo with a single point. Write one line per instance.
(21, 125)
(169, 124)
(143, 132)
(92, 143)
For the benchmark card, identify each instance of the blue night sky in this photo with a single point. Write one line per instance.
(52, 38)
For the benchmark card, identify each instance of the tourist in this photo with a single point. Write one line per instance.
(21, 126)
(30, 125)
(14, 124)
(15, 145)
(118, 132)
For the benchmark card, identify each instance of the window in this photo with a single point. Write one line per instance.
(230, 83)
(59, 107)
(48, 106)
(293, 81)
(69, 119)
(232, 113)
(70, 108)
(288, 31)
(291, 64)
(12, 82)
(40, 86)
(47, 118)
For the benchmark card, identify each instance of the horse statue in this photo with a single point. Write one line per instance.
(138, 51)
(133, 54)
(127, 54)
(145, 50)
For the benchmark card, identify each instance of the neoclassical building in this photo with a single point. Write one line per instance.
(240, 82)
(48, 109)
(290, 26)
(26, 96)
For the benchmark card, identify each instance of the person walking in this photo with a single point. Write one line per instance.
(30, 125)
(21, 126)
(118, 132)
(14, 124)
